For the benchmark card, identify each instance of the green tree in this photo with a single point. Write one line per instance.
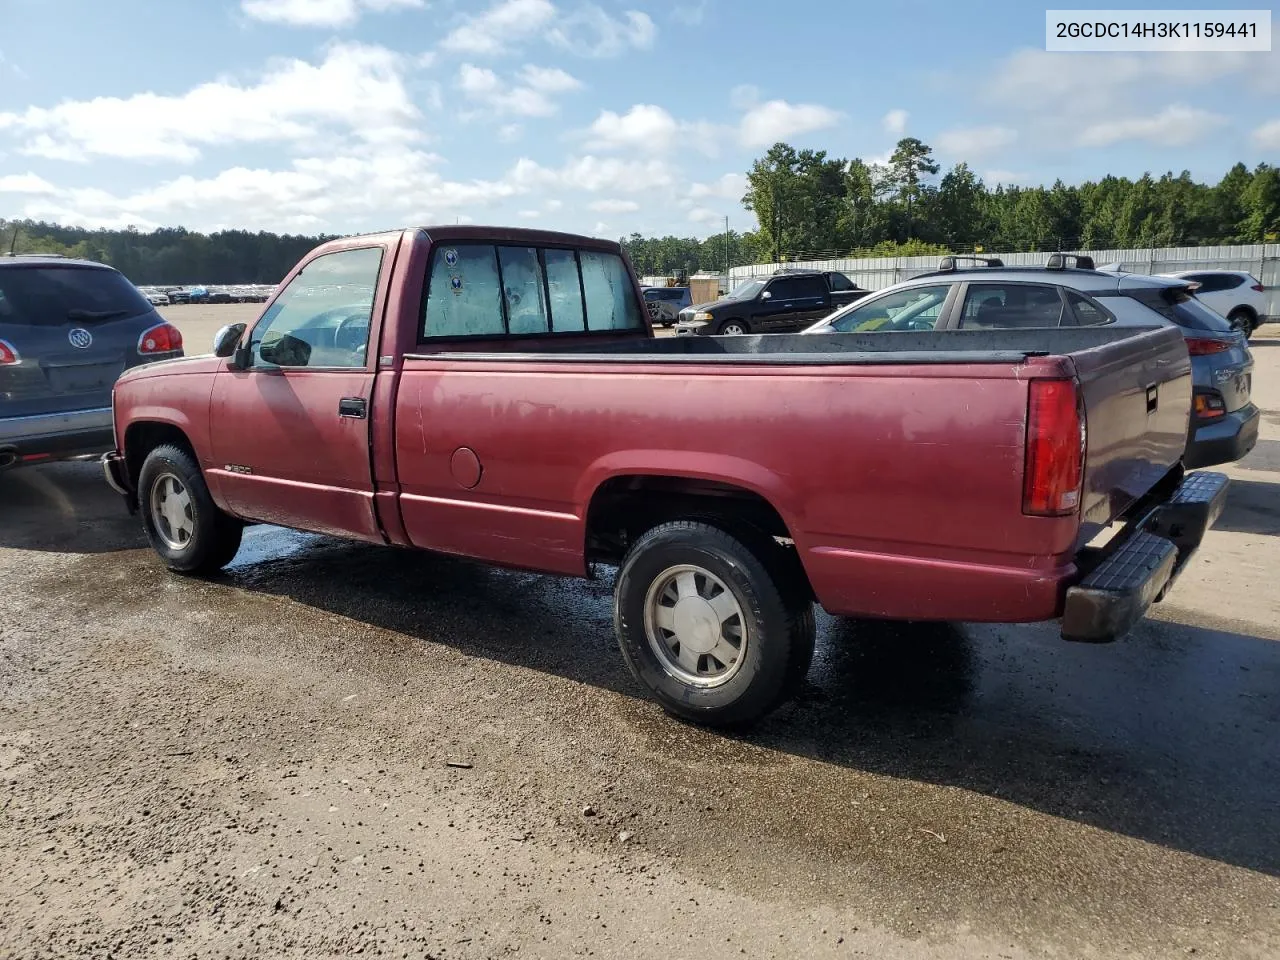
(910, 160)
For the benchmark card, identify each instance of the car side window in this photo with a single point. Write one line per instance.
(1086, 312)
(913, 308)
(997, 306)
(609, 294)
(840, 282)
(785, 289)
(811, 288)
(322, 318)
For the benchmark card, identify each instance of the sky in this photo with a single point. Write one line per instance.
(595, 116)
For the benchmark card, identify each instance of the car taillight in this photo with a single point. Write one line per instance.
(1258, 288)
(162, 338)
(1203, 346)
(1208, 404)
(8, 354)
(1056, 439)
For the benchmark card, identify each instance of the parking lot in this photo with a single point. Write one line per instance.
(334, 748)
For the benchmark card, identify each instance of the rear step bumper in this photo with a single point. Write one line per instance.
(1116, 594)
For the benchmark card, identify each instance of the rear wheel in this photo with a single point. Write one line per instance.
(1242, 319)
(710, 626)
(182, 522)
(734, 328)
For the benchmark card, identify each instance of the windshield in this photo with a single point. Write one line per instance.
(54, 295)
(747, 289)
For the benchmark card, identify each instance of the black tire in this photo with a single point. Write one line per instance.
(779, 626)
(1242, 318)
(727, 329)
(215, 536)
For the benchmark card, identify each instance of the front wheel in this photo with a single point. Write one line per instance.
(182, 522)
(708, 626)
(734, 328)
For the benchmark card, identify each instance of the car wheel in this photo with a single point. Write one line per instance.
(1242, 319)
(182, 522)
(734, 328)
(709, 626)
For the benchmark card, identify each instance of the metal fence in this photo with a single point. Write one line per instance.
(874, 273)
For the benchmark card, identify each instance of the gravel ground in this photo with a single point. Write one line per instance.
(258, 765)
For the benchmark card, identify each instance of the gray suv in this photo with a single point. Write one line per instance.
(1069, 292)
(68, 329)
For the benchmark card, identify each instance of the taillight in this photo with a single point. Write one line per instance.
(162, 338)
(1208, 404)
(1203, 346)
(8, 354)
(1258, 288)
(1056, 438)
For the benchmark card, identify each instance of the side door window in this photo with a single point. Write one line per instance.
(1003, 306)
(1086, 312)
(322, 318)
(840, 282)
(913, 308)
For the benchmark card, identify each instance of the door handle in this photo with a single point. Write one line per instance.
(354, 408)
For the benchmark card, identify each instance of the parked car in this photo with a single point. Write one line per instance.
(1235, 294)
(68, 328)
(665, 303)
(157, 299)
(786, 302)
(1070, 293)
(178, 295)
(518, 410)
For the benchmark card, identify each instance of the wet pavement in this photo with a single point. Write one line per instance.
(255, 765)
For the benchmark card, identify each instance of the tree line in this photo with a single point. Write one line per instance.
(808, 206)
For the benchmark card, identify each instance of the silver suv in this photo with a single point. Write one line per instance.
(1070, 292)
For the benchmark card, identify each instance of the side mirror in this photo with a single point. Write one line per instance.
(766, 295)
(226, 339)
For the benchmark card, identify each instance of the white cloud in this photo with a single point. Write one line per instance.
(320, 13)
(993, 177)
(776, 120)
(532, 99)
(690, 14)
(1267, 136)
(972, 142)
(614, 206)
(595, 174)
(529, 214)
(553, 205)
(1175, 126)
(644, 127)
(895, 122)
(501, 26)
(26, 183)
(357, 90)
(704, 215)
(510, 132)
(591, 32)
(601, 229)
(731, 186)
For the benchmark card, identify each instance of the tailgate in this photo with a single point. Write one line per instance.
(1137, 398)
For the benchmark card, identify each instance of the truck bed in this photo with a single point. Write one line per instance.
(895, 460)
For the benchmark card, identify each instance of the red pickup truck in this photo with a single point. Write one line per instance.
(498, 394)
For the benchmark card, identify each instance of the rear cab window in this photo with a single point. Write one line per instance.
(49, 296)
(494, 290)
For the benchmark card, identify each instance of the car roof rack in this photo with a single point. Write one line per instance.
(951, 264)
(1064, 261)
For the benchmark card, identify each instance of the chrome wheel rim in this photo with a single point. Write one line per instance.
(695, 626)
(171, 512)
(733, 330)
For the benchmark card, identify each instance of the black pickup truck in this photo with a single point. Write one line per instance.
(789, 300)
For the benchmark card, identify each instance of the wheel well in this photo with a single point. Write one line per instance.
(622, 509)
(1244, 308)
(144, 436)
